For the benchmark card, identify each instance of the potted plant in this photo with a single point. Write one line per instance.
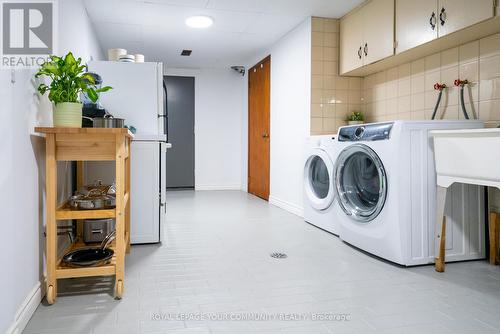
(68, 80)
(356, 117)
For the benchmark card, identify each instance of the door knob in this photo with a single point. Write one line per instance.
(265, 135)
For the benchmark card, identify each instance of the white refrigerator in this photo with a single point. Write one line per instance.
(138, 96)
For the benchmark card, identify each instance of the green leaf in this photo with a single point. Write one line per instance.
(55, 58)
(87, 78)
(50, 68)
(42, 89)
(92, 94)
(103, 89)
(70, 59)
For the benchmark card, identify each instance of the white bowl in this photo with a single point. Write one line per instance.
(115, 54)
(139, 58)
(127, 59)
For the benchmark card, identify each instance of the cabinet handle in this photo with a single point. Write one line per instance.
(432, 21)
(360, 50)
(365, 49)
(442, 16)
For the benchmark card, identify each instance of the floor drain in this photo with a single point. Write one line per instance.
(278, 255)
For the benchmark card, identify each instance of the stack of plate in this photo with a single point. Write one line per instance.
(127, 59)
(115, 54)
(122, 56)
(139, 58)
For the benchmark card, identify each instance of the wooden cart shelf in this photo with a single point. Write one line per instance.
(108, 269)
(86, 144)
(65, 212)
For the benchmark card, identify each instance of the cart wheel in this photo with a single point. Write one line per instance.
(51, 298)
(119, 289)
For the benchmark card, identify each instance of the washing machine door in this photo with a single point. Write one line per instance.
(361, 182)
(318, 179)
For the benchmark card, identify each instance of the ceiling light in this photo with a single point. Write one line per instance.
(199, 21)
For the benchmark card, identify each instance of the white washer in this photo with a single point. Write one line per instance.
(386, 189)
(319, 189)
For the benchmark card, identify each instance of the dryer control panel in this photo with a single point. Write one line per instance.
(368, 132)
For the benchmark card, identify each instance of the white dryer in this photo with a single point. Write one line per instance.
(386, 188)
(319, 189)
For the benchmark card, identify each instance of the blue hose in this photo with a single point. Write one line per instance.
(462, 103)
(437, 104)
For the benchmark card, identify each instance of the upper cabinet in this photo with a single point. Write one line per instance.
(385, 33)
(351, 42)
(378, 30)
(458, 14)
(418, 22)
(367, 35)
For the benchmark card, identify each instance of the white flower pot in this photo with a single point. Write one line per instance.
(68, 114)
(354, 122)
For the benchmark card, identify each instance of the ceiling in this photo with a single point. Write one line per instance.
(242, 28)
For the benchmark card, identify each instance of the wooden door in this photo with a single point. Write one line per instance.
(351, 42)
(416, 23)
(259, 98)
(378, 30)
(458, 14)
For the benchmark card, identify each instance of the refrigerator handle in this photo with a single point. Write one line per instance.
(163, 200)
(162, 212)
(165, 109)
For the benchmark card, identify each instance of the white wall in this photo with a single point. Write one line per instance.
(22, 173)
(290, 116)
(220, 101)
(76, 32)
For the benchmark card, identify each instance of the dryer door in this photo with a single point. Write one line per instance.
(361, 182)
(318, 179)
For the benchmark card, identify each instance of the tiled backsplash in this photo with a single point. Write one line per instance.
(332, 97)
(407, 91)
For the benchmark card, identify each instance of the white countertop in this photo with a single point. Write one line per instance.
(483, 131)
(157, 138)
(147, 137)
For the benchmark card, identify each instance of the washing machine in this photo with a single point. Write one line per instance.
(385, 185)
(319, 188)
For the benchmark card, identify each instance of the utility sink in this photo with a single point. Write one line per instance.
(467, 156)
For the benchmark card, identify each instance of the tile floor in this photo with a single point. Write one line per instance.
(216, 259)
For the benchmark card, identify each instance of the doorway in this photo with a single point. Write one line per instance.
(259, 92)
(180, 130)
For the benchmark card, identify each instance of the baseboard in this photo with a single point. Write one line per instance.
(290, 207)
(26, 310)
(217, 187)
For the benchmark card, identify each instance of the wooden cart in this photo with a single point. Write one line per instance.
(86, 144)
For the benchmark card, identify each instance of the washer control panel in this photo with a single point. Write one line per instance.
(368, 132)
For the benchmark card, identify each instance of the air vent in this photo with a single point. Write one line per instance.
(186, 53)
